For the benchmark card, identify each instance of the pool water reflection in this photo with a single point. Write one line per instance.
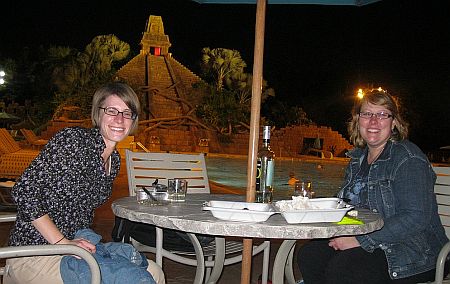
(326, 177)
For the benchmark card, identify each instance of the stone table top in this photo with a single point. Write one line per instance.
(189, 217)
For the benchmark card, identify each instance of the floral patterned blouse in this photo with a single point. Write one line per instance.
(67, 181)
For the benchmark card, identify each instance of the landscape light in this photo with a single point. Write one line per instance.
(2, 77)
(360, 94)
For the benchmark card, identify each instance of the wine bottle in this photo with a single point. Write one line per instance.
(264, 170)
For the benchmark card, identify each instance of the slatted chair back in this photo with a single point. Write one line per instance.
(144, 168)
(32, 139)
(442, 190)
(7, 142)
(13, 159)
(29, 135)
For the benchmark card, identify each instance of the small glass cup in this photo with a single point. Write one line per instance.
(141, 196)
(177, 189)
(304, 188)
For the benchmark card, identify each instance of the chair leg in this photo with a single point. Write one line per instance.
(288, 270)
(208, 269)
(219, 260)
(200, 272)
(266, 258)
(159, 243)
(280, 261)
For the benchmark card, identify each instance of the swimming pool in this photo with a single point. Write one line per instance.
(326, 180)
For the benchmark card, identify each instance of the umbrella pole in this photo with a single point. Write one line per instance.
(254, 128)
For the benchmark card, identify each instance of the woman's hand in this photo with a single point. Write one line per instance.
(343, 243)
(83, 243)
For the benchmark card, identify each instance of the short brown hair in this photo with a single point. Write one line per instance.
(379, 98)
(121, 90)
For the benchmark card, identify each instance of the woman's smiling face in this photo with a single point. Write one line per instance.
(114, 128)
(376, 132)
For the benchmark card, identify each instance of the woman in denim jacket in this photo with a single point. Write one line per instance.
(392, 176)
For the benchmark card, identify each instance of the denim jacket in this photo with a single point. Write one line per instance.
(401, 189)
(118, 262)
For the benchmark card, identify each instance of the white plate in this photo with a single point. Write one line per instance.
(327, 210)
(240, 211)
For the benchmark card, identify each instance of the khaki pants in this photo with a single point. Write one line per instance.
(45, 270)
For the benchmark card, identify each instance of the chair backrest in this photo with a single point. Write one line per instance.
(7, 142)
(127, 143)
(143, 168)
(29, 135)
(442, 191)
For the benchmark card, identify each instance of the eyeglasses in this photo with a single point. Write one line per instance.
(112, 111)
(379, 115)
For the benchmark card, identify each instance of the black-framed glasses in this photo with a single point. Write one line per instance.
(379, 115)
(112, 111)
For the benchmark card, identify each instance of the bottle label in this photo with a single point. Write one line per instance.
(270, 171)
(258, 174)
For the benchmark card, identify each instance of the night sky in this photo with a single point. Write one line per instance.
(315, 56)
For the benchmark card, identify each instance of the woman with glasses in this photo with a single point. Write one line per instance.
(57, 194)
(390, 175)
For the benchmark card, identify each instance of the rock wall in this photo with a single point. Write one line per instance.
(285, 142)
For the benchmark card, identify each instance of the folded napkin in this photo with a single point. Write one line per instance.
(347, 220)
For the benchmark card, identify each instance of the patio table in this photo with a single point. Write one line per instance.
(189, 217)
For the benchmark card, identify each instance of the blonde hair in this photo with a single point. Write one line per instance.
(121, 90)
(379, 98)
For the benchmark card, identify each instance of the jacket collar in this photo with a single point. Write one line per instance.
(360, 153)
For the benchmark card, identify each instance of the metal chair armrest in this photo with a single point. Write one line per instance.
(441, 263)
(22, 251)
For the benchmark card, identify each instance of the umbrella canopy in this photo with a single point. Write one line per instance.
(317, 2)
(256, 96)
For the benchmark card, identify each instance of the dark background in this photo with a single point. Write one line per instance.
(315, 56)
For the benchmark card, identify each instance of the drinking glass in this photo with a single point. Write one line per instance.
(304, 188)
(177, 189)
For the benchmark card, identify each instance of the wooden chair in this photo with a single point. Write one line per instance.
(32, 139)
(13, 159)
(144, 168)
(442, 191)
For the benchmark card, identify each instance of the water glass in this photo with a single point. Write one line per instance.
(304, 188)
(141, 196)
(177, 189)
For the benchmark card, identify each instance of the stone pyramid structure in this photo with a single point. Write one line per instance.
(160, 79)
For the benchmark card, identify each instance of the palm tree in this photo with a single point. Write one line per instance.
(220, 63)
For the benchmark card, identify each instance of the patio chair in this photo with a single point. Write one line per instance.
(32, 139)
(144, 168)
(13, 159)
(442, 191)
(40, 250)
(7, 205)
